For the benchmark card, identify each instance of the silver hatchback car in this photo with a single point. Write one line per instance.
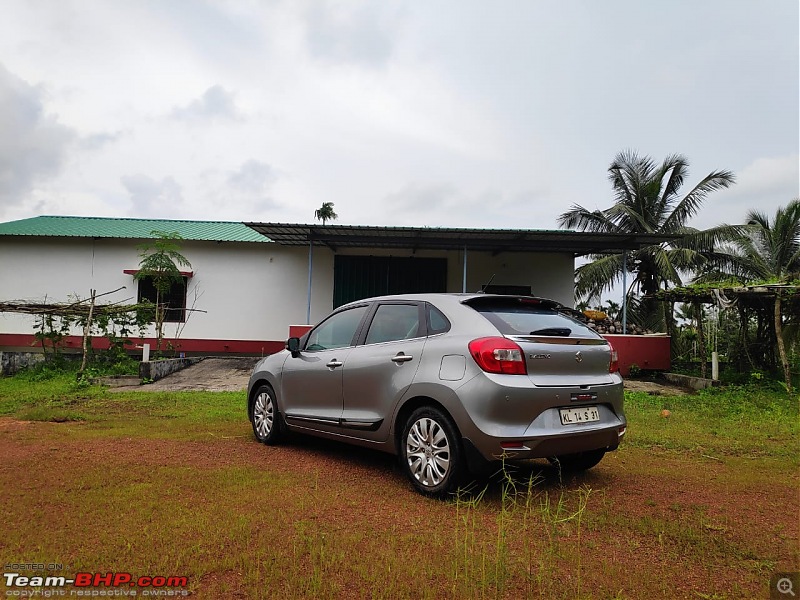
(450, 383)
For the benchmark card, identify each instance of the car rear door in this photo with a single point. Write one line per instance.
(381, 368)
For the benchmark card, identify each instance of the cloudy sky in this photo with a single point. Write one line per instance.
(443, 113)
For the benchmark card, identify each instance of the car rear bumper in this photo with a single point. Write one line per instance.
(515, 423)
(493, 450)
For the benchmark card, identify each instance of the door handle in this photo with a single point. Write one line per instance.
(401, 358)
(333, 364)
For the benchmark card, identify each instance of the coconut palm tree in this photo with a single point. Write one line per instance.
(612, 309)
(648, 200)
(325, 213)
(764, 251)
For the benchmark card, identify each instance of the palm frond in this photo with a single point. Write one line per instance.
(593, 278)
(761, 250)
(627, 173)
(686, 259)
(707, 240)
(677, 167)
(584, 220)
(628, 219)
(691, 203)
(665, 268)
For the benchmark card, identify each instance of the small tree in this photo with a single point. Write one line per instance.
(160, 261)
(325, 213)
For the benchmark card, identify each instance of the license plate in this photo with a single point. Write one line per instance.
(575, 416)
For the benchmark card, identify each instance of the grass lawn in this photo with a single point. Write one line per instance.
(700, 504)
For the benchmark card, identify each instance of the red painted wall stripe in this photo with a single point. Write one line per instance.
(25, 341)
(647, 352)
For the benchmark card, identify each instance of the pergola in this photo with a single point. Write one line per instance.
(754, 296)
(777, 300)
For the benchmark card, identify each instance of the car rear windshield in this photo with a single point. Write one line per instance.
(530, 316)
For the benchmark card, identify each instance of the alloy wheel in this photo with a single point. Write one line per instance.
(263, 414)
(428, 452)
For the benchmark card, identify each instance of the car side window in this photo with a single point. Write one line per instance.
(437, 322)
(336, 332)
(394, 322)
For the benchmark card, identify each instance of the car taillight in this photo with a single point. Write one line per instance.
(613, 365)
(498, 355)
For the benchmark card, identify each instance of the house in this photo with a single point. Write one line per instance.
(249, 282)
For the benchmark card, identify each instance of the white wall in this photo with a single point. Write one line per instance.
(250, 291)
(549, 275)
(255, 292)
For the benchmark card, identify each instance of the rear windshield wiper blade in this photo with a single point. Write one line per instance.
(560, 331)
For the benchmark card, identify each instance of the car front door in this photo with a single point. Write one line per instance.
(312, 381)
(379, 371)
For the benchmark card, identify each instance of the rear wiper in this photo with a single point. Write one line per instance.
(560, 331)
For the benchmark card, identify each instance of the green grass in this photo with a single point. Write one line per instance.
(58, 396)
(698, 504)
(44, 388)
(748, 421)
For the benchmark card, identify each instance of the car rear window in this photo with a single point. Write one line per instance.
(523, 316)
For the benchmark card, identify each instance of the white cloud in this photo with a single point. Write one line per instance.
(764, 184)
(215, 103)
(159, 199)
(33, 145)
(769, 176)
(97, 141)
(248, 189)
(252, 176)
(415, 198)
(360, 32)
(446, 205)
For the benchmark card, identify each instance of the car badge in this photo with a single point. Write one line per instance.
(578, 357)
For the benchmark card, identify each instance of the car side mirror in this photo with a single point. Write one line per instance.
(293, 346)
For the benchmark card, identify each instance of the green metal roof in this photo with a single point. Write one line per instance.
(101, 227)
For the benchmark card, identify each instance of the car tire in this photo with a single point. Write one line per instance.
(264, 416)
(575, 463)
(430, 452)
